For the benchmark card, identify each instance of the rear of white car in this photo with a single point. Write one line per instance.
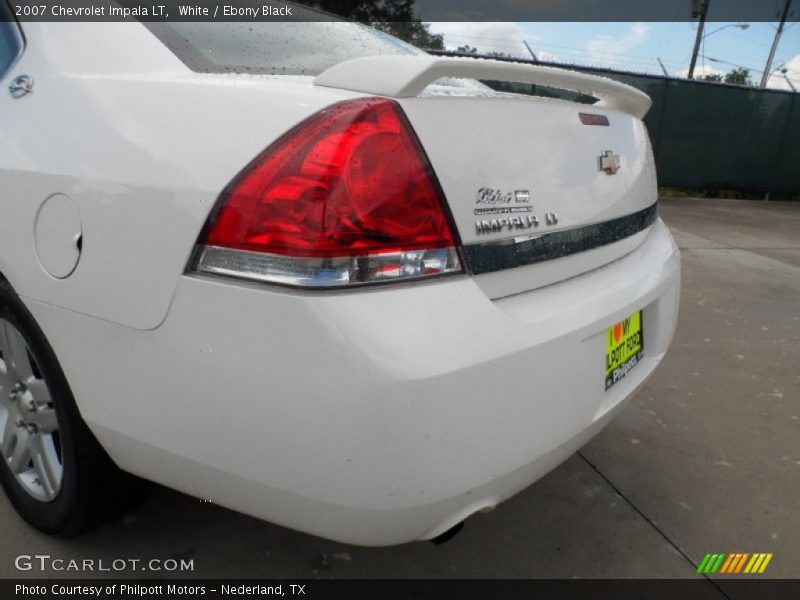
(364, 302)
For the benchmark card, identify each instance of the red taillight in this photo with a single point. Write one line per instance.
(350, 184)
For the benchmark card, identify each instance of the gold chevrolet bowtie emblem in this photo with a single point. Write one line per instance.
(609, 162)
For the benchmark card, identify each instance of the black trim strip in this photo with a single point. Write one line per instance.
(488, 257)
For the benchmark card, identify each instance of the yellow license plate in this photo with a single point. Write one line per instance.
(624, 347)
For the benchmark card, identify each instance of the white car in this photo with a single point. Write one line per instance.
(311, 274)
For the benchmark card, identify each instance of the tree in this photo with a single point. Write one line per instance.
(713, 77)
(467, 49)
(739, 76)
(395, 17)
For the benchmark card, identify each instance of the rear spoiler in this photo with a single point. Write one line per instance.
(407, 76)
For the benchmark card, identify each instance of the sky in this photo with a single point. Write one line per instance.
(636, 46)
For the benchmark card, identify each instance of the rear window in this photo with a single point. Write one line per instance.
(10, 40)
(291, 48)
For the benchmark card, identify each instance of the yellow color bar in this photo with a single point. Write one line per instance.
(749, 568)
(759, 559)
(765, 563)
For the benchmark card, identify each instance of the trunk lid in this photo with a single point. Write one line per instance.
(537, 192)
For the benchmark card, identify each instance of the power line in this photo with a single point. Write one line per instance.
(667, 37)
(576, 55)
(790, 26)
(644, 60)
(725, 62)
(747, 39)
(508, 41)
(681, 8)
(587, 64)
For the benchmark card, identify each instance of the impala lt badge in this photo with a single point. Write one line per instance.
(495, 201)
(608, 162)
(516, 207)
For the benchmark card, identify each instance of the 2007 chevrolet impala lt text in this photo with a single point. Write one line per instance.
(343, 287)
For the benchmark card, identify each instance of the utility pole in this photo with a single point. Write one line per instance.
(789, 81)
(767, 69)
(663, 68)
(699, 9)
(533, 56)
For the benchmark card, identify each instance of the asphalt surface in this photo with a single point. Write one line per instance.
(706, 458)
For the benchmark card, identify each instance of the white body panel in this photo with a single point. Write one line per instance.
(95, 130)
(372, 416)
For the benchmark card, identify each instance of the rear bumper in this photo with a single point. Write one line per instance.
(374, 417)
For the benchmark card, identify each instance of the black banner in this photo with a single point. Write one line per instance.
(383, 11)
(483, 589)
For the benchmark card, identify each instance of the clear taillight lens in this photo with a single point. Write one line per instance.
(346, 197)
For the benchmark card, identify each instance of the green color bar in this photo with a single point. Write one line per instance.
(718, 564)
(701, 568)
(711, 562)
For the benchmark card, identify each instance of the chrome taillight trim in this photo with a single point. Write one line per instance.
(492, 256)
(329, 272)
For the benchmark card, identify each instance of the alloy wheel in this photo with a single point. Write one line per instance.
(30, 441)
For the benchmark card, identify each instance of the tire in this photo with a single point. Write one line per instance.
(69, 484)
